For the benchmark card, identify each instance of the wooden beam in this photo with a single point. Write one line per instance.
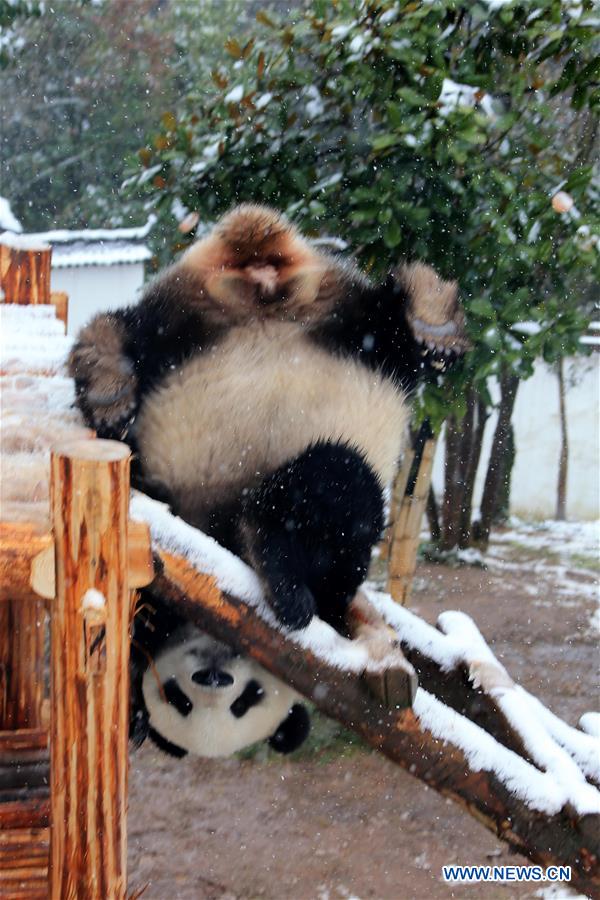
(20, 543)
(14, 741)
(559, 839)
(89, 672)
(140, 565)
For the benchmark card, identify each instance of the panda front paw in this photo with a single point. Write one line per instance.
(434, 314)
(105, 381)
(293, 604)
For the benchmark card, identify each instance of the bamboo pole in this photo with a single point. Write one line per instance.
(25, 272)
(406, 529)
(398, 491)
(89, 678)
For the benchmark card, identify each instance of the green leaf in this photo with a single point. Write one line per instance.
(392, 234)
(383, 141)
(413, 98)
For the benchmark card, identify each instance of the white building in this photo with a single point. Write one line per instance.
(99, 269)
(536, 423)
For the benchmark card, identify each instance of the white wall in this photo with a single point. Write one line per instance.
(537, 439)
(95, 288)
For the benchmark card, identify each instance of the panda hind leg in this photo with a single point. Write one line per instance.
(309, 529)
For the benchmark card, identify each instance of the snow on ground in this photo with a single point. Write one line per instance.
(566, 539)
(564, 557)
(559, 892)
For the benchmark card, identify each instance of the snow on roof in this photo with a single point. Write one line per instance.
(97, 246)
(82, 253)
(8, 220)
(67, 236)
(23, 241)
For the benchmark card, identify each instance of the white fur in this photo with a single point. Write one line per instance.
(211, 729)
(260, 398)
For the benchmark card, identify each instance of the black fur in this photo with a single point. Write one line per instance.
(251, 696)
(166, 746)
(369, 323)
(164, 329)
(293, 731)
(310, 527)
(177, 698)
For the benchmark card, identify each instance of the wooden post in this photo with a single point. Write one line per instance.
(89, 678)
(406, 529)
(25, 271)
(24, 278)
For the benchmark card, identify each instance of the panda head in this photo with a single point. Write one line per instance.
(203, 699)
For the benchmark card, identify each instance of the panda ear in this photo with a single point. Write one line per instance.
(293, 731)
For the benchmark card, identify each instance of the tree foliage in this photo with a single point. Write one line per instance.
(80, 82)
(439, 131)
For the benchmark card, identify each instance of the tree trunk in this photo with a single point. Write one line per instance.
(452, 486)
(433, 516)
(477, 429)
(496, 472)
(502, 510)
(463, 450)
(563, 462)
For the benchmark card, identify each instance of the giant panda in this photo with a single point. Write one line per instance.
(264, 387)
(191, 694)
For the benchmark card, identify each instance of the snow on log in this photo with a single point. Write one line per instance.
(549, 816)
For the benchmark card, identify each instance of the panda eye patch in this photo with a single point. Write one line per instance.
(176, 697)
(251, 696)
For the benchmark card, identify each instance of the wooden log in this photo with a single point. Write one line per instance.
(559, 839)
(22, 632)
(25, 272)
(140, 566)
(23, 739)
(25, 814)
(404, 542)
(89, 673)
(20, 544)
(24, 864)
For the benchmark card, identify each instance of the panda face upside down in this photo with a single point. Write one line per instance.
(201, 698)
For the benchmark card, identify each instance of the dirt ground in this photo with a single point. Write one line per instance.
(338, 821)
